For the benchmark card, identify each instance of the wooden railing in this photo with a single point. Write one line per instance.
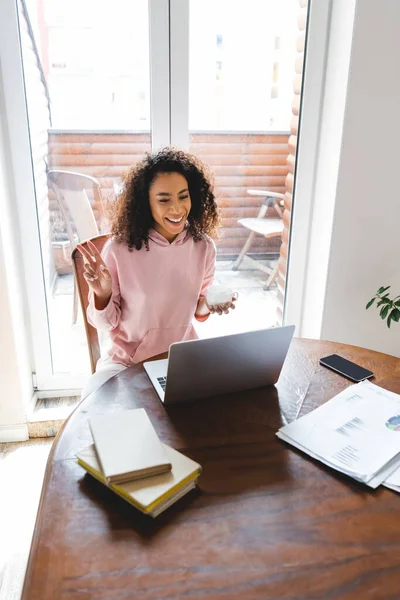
(239, 162)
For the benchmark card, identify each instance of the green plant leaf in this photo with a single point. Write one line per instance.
(383, 289)
(397, 303)
(389, 320)
(395, 315)
(370, 303)
(384, 311)
(384, 301)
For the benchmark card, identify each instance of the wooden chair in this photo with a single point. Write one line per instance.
(70, 192)
(263, 225)
(81, 285)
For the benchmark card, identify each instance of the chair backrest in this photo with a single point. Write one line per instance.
(83, 291)
(70, 191)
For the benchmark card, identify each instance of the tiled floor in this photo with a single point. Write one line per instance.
(255, 308)
(22, 467)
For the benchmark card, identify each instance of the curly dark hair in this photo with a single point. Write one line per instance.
(131, 217)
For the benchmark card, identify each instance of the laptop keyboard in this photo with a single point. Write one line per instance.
(163, 382)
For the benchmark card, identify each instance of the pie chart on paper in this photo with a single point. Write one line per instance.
(393, 423)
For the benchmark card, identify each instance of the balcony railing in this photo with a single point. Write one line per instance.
(239, 161)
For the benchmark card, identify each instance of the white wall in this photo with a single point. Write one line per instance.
(365, 246)
(354, 237)
(15, 364)
(12, 411)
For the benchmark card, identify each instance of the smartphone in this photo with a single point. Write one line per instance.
(346, 367)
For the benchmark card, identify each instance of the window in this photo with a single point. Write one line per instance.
(227, 60)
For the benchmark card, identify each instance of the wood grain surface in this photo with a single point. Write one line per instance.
(266, 522)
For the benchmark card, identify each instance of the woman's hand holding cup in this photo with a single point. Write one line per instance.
(220, 299)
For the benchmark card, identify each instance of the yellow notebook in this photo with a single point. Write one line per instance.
(128, 446)
(151, 495)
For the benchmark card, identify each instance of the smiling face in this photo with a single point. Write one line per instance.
(170, 204)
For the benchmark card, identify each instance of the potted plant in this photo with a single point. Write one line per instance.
(390, 307)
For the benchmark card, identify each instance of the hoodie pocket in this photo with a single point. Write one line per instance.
(157, 341)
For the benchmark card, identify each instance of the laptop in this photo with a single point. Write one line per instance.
(214, 366)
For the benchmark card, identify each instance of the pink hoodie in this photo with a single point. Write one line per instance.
(154, 294)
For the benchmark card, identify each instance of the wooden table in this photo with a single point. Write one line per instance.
(267, 522)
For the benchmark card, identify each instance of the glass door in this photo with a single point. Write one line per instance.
(101, 84)
(241, 76)
(87, 84)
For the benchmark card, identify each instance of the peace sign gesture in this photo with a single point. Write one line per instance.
(96, 273)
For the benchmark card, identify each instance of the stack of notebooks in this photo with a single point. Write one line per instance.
(357, 432)
(128, 457)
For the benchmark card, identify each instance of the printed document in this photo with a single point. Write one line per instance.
(357, 432)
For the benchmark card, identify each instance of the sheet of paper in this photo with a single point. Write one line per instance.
(374, 482)
(357, 432)
(393, 481)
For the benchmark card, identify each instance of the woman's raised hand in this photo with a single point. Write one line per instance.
(96, 273)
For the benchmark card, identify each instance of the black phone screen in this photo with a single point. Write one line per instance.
(346, 367)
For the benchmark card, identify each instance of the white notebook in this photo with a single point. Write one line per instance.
(151, 495)
(128, 446)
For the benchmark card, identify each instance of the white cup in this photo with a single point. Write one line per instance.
(220, 294)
